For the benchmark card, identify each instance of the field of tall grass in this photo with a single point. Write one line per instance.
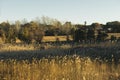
(29, 62)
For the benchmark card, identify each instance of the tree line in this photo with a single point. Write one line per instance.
(97, 32)
(36, 29)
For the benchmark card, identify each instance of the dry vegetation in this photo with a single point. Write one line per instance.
(115, 34)
(63, 38)
(65, 68)
(53, 38)
(23, 62)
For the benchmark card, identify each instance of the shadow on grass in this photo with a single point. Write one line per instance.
(105, 54)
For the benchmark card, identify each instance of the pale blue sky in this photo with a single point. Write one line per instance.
(76, 11)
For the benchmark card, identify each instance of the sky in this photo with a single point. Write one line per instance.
(76, 11)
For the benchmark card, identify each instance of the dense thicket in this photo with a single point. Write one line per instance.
(35, 30)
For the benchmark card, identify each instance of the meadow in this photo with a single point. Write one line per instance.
(60, 62)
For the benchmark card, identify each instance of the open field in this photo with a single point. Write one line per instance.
(64, 62)
(114, 34)
(53, 38)
(50, 39)
(63, 38)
